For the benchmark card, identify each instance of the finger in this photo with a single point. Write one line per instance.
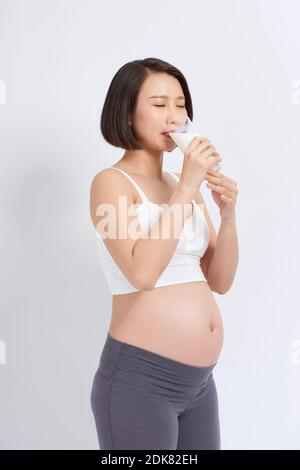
(195, 142)
(214, 173)
(227, 199)
(230, 180)
(220, 189)
(233, 182)
(220, 182)
(217, 173)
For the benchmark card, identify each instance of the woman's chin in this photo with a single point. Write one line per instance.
(170, 145)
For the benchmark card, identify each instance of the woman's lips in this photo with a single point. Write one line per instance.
(167, 136)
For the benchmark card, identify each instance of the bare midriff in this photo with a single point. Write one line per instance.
(180, 321)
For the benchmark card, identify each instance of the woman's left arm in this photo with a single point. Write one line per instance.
(223, 263)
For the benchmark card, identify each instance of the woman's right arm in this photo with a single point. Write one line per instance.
(141, 259)
(152, 254)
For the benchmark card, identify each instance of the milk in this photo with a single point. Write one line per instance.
(183, 140)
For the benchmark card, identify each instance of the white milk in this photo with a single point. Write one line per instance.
(183, 140)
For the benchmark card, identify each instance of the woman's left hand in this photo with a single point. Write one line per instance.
(224, 191)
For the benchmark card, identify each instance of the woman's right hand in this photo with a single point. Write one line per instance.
(199, 157)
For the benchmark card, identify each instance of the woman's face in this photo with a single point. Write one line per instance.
(153, 116)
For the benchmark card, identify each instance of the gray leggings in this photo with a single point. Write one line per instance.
(142, 400)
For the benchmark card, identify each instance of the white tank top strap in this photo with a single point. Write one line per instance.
(137, 187)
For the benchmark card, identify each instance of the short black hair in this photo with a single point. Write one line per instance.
(121, 99)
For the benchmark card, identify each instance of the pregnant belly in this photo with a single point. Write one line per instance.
(180, 321)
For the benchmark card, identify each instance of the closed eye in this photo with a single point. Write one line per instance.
(160, 105)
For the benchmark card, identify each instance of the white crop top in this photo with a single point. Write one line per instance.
(184, 266)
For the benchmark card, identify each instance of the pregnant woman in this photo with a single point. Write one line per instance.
(154, 387)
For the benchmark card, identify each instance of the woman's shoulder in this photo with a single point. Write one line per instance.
(111, 179)
(107, 186)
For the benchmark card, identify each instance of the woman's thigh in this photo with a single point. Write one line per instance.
(199, 426)
(142, 400)
(128, 417)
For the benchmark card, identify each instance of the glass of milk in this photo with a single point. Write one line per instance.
(184, 136)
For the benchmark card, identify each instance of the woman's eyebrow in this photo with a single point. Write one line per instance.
(165, 96)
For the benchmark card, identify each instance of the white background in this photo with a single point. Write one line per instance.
(241, 61)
